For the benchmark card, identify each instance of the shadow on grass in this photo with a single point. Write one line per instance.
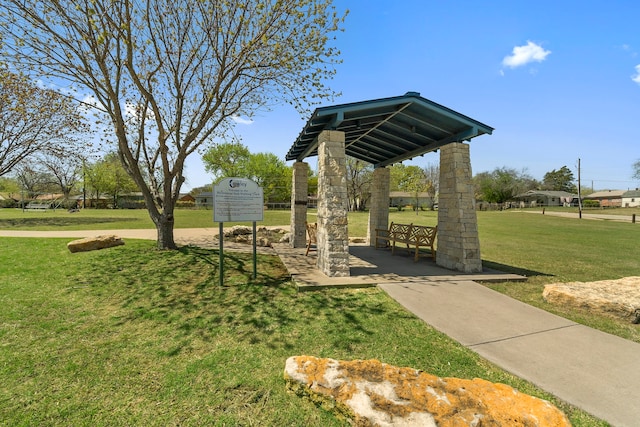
(42, 221)
(514, 270)
(180, 289)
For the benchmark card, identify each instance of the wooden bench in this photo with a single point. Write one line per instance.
(37, 206)
(384, 236)
(312, 235)
(414, 236)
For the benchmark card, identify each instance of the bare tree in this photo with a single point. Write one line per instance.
(359, 177)
(432, 180)
(33, 181)
(170, 75)
(636, 170)
(33, 119)
(64, 167)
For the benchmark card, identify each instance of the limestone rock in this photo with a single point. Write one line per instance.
(264, 236)
(94, 243)
(238, 230)
(371, 393)
(286, 238)
(617, 298)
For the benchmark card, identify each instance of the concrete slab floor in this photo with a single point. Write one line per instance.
(370, 267)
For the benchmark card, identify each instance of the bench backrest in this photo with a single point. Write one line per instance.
(312, 231)
(423, 234)
(400, 231)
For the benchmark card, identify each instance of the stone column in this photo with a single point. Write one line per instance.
(333, 236)
(379, 207)
(299, 200)
(458, 243)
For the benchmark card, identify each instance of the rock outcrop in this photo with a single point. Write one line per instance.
(94, 243)
(371, 393)
(617, 298)
(264, 236)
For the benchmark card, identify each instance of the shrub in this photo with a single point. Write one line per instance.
(8, 203)
(186, 204)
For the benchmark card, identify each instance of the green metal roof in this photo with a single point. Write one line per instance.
(388, 130)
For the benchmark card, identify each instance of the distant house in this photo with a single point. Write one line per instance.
(204, 200)
(186, 197)
(631, 198)
(405, 198)
(607, 198)
(133, 200)
(533, 198)
(90, 201)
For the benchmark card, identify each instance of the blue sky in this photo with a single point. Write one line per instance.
(558, 80)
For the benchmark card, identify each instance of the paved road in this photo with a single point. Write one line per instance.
(607, 217)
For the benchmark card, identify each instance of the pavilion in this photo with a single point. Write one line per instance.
(383, 132)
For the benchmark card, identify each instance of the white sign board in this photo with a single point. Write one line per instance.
(237, 200)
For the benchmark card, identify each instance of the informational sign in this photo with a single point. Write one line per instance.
(237, 200)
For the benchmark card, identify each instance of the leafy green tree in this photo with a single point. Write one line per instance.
(197, 190)
(170, 75)
(313, 182)
(272, 174)
(33, 119)
(117, 182)
(265, 169)
(501, 185)
(413, 180)
(96, 179)
(396, 173)
(10, 186)
(559, 180)
(108, 177)
(227, 160)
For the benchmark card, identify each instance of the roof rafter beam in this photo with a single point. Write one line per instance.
(371, 152)
(424, 123)
(464, 135)
(392, 135)
(400, 109)
(381, 145)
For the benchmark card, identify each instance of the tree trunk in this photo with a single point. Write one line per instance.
(164, 225)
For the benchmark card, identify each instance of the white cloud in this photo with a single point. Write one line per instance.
(636, 76)
(523, 55)
(241, 120)
(90, 100)
(88, 104)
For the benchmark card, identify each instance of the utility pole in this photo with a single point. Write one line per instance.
(579, 193)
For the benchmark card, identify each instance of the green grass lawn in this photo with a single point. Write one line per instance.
(114, 219)
(136, 336)
(550, 249)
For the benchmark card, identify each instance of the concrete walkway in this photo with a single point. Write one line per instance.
(592, 370)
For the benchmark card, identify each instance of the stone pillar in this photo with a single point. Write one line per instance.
(299, 200)
(379, 206)
(458, 243)
(333, 236)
